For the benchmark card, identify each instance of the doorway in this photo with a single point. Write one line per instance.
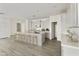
(53, 30)
(18, 27)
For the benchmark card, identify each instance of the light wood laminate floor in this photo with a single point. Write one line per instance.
(10, 47)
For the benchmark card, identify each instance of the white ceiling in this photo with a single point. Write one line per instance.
(32, 10)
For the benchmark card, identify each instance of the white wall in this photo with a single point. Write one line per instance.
(4, 26)
(78, 18)
(69, 18)
(12, 25)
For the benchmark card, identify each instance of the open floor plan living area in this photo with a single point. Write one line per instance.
(39, 29)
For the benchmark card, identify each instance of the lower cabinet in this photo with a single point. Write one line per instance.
(36, 39)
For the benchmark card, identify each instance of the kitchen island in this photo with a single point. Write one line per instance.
(31, 38)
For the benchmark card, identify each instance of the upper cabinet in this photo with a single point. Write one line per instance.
(38, 24)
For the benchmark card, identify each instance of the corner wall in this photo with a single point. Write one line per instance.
(4, 26)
